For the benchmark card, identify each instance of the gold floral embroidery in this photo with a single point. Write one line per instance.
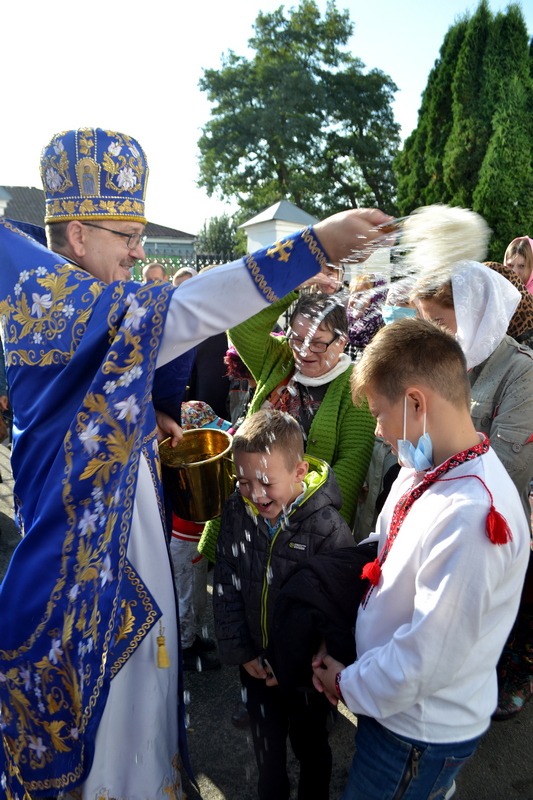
(127, 621)
(151, 615)
(55, 168)
(85, 143)
(124, 173)
(90, 568)
(45, 317)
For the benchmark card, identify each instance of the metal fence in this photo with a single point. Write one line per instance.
(173, 263)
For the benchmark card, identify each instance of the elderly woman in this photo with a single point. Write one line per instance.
(306, 374)
(477, 305)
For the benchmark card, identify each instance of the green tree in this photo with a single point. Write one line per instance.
(419, 165)
(506, 56)
(439, 116)
(471, 129)
(473, 145)
(504, 194)
(218, 236)
(300, 119)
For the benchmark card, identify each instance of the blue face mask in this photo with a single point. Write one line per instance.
(419, 458)
(392, 313)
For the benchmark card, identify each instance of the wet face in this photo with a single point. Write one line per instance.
(435, 312)
(106, 255)
(518, 265)
(268, 483)
(306, 337)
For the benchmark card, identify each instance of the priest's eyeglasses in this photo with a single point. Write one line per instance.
(314, 347)
(133, 240)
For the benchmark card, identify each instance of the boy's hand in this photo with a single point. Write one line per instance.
(271, 679)
(255, 669)
(325, 670)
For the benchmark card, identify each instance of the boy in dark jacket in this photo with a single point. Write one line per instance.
(284, 511)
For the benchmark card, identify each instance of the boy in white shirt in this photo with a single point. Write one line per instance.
(453, 548)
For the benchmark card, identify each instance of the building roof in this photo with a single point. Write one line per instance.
(26, 204)
(284, 210)
(154, 231)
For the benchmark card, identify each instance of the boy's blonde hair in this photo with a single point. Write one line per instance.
(409, 352)
(269, 430)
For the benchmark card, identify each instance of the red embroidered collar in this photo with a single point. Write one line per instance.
(497, 528)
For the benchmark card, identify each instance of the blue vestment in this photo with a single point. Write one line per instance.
(81, 359)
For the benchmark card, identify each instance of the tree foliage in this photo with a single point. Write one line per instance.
(301, 119)
(219, 236)
(473, 145)
(419, 165)
(470, 133)
(504, 193)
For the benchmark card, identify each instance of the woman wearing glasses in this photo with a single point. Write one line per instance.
(307, 374)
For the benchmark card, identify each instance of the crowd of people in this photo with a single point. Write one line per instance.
(382, 438)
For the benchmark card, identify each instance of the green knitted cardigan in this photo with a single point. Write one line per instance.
(341, 434)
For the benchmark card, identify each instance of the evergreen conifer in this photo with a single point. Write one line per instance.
(504, 194)
(471, 128)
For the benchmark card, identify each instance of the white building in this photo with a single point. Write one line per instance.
(275, 222)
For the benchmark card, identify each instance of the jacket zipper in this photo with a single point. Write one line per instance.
(264, 591)
(411, 774)
(264, 594)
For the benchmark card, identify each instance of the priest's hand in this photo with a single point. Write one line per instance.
(166, 426)
(349, 234)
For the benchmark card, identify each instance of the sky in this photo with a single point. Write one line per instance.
(135, 68)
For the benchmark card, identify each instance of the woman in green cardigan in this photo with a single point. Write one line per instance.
(307, 374)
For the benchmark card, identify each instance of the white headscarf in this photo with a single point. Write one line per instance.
(484, 303)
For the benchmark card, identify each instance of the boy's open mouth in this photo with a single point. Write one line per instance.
(264, 506)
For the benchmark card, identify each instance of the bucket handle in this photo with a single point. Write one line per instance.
(231, 461)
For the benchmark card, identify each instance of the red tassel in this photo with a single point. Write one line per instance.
(372, 571)
(497, 528)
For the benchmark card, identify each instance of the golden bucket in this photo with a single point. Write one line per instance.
(198, 473)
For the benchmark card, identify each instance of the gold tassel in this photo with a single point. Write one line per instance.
(163, 661)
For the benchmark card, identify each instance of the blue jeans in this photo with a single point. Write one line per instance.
(390, 767)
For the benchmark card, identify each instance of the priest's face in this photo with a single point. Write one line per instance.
(107, 252)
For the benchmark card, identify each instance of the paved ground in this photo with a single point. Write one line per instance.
(223, 758)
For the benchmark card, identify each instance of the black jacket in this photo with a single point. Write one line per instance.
(319, 601)
(251, 567)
